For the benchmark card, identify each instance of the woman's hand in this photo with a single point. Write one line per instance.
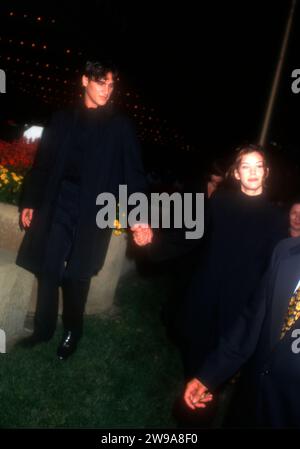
(196, 395)
(142, 234)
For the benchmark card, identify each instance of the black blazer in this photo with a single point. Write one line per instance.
(275, 368)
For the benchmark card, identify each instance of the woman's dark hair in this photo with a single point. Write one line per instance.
(240, 152)
(96, 70)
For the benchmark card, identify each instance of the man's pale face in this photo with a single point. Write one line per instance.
(251, 173)
(295, 217)
(97, 93)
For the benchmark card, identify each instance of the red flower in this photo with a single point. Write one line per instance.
(17, 154)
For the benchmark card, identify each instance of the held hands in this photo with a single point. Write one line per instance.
(196, 395)
(142, 234)
(26, 217)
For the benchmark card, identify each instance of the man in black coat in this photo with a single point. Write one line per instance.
(83, 152)
(267, 333)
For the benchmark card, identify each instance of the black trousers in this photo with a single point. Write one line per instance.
(54, 272)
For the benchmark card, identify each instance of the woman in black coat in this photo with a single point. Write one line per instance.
(243, 229)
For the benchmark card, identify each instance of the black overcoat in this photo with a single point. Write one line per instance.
(113, 158)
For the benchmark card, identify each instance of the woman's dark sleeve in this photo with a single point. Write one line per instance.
(239, 344)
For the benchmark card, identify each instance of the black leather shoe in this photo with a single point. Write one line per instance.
(67, 346)
(32, 341)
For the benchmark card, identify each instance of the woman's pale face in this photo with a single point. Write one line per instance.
(251, 173)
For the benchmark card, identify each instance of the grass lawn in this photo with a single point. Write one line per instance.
(125, 373)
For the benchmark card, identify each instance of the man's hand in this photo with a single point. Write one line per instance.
(142, 234)
(196, 395)
(26, 217)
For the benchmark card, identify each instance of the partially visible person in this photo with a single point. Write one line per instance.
(215, 178)
(294, 218)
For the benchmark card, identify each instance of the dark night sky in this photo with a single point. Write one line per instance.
(205, 66)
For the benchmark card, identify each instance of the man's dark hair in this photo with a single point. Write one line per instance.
(96, 70)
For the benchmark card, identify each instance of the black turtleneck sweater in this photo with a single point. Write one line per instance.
(243, 231)
(85, 126)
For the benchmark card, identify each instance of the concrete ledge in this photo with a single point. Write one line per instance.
(15, 293)
(10, 232)
(18, 287)
(103, 286)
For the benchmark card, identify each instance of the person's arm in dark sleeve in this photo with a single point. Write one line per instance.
(134, 175)
(234, 349)
(239, 344)
(173, 244)
(135, 179)
(36, 179)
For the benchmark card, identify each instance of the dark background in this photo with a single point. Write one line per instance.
(199, 73)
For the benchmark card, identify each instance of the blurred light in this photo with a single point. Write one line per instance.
(33, 133)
